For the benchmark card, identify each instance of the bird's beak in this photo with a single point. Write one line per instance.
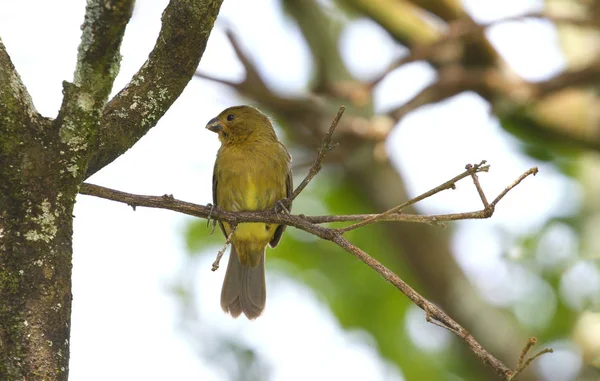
(214, 125)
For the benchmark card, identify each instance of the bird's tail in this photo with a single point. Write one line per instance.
(244, 288)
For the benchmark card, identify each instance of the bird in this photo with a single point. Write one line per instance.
(252, 172)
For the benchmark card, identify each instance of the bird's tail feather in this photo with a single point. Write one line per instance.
(244, 288)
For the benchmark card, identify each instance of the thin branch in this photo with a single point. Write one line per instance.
(531, 359)
(253, 84)
(530, 343)
(523, 363)
(450, 184)
(475, 178)
(323, 150)
(531, 171)
(430, 309)
(253, 77)
(215, 265)
(299, 221)
(208, 211)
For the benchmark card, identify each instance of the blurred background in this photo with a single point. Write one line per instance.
(429, 87)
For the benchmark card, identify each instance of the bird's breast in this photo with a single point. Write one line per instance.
(253, 180)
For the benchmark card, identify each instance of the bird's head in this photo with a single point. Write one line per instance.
(240, 123)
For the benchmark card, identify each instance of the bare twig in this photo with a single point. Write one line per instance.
(253, 81)
(473, 170)
(215, 265)
(531, 171)
(523, 363)
(325, 147)
(209, 211)
(530, 343)
(450, 184)
(430, 309)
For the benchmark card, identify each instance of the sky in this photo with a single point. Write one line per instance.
(125, 262)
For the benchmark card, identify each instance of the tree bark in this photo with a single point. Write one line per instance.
(37, 194)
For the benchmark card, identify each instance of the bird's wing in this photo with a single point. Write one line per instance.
(289, 185)
(215, 184)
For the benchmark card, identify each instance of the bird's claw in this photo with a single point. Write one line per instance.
(282, 206)
(209, 219)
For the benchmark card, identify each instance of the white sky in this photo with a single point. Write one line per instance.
(124, 323)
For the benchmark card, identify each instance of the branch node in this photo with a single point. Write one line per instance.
(431, 319)
(473, 169)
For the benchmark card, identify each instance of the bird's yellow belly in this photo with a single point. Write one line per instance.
(250, 239)
(251, 231)
(250, 189)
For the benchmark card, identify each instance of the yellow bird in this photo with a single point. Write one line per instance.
(252, 172)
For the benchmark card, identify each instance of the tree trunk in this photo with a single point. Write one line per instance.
(37, 196)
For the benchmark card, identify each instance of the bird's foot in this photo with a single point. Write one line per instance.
(282, 206)
(209, 219)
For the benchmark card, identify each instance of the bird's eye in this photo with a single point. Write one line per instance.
(230, 117)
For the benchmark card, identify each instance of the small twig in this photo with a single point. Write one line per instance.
(473, 170)
(221, 252)
(522, 364)
(531, 171)
(450, 184)
(298, 221)
(529, 360)
(532, 341)
(323, 150)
